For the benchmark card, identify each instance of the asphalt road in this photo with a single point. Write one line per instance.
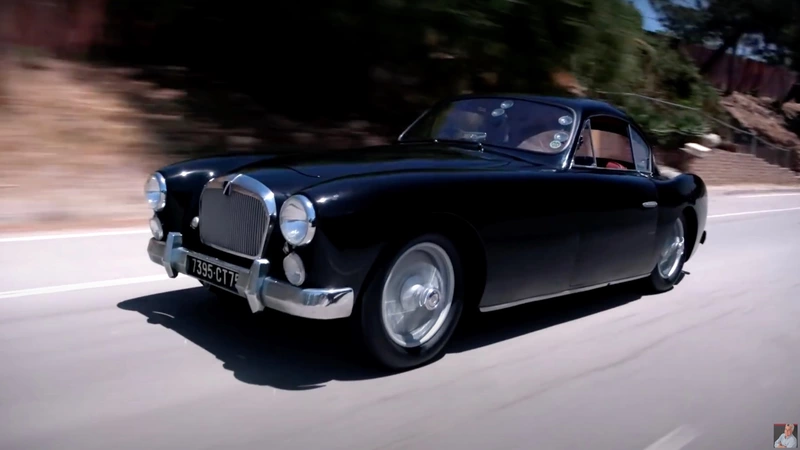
(99, 350)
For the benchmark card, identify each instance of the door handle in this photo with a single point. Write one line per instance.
(650, 204)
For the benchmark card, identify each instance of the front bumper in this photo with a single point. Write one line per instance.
(254, 285)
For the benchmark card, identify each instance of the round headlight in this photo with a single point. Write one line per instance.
(155, 190)
(294, 269)
(297, 219)
(156, 228)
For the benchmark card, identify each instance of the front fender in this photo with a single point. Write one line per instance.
(362, 218)
(357, 219)
(684, 194)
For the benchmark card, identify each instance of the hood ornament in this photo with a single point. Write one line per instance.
(227, 186)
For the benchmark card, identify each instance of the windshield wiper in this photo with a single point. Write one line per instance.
(459, 141)
(445, 141)
(481, 146)
(508, 154)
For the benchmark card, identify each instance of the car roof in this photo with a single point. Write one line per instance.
(582, 106)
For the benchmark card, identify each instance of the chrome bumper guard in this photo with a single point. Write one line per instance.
(254, 285)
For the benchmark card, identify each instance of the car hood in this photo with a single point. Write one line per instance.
(314, 167)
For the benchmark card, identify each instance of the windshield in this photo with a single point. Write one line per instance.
(518, 124)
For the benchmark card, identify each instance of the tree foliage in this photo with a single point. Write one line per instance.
(330, 51)
(608, 56)
(389, 58)
(770, 26)
(645, 75)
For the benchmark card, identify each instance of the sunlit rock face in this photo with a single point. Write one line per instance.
(711, 140)
(669, 172)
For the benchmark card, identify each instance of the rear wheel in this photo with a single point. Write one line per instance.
(672, 256)
(412, 304)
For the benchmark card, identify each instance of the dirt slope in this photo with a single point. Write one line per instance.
(69, 151)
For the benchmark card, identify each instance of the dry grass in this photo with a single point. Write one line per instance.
(77, 141)
(70, 151)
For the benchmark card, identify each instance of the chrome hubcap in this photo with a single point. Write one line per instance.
(432, 299)
(418, 295)
(672, 252)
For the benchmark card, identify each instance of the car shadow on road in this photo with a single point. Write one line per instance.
(490, 328)
(290, 353)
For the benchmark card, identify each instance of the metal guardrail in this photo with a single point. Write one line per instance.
(744, 139)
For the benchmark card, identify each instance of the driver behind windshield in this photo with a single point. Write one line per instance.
(519, 124)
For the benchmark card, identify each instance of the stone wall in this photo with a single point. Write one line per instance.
(722, 167)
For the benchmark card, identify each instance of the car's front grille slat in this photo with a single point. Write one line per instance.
(236, 222)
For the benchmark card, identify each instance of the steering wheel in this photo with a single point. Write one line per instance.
(451, 131)
(540, 143)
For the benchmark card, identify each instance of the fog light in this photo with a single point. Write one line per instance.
(293, 267)
(155, 228)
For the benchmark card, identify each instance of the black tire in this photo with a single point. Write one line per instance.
(367, 318)
(657, 283)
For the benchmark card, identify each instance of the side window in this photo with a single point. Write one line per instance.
(584, 156)
(611, 143)
(641, 152)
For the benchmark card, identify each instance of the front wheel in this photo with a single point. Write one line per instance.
(412, 304)
(672, 256)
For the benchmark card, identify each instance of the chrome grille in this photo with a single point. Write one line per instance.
(235, 215)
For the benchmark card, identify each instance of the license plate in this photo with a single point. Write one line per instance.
(212, 273)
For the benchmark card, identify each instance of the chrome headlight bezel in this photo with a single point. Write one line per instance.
(297, 211)
(156, 229)
(155, 191)
(294, 269)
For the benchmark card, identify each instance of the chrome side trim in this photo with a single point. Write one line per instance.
(650, 204)
(587, 121)
(586, 124)
(649, 170)
(260, 290)
(251, 187)
(558, 294)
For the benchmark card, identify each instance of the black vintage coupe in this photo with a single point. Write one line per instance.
(484, 202)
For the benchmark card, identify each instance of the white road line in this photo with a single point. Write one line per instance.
(81, 286)
(782, 194)
(675, 440)
(46, 237)
(747, 213)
